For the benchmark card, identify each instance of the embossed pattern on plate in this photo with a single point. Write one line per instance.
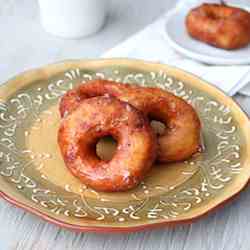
(33, 173)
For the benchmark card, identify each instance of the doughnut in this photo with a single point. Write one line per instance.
(219, 25)
(181, 137)
(95, 118)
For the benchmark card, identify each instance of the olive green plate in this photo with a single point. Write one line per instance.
(34, 177)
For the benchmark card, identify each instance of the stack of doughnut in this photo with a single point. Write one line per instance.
(99, 108)
(219, 25)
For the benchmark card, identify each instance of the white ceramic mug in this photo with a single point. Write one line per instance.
(73, 18)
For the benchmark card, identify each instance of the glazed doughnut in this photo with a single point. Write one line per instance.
(95, 118)
(181, 138)
(219, 25)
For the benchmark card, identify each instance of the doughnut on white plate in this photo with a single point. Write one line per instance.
(178, 38)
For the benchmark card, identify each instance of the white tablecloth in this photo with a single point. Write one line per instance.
(150, 44)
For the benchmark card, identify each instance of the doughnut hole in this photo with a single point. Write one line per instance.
(158, 127)
(106, 147)
(158, 121)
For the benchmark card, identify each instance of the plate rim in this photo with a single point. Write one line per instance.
(111, 229)
(193, 55)
(133, 228)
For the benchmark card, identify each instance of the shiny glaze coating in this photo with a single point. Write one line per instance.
(95, 118)
(219, 25)
(181, 138)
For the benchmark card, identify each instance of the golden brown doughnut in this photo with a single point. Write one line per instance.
(219, 25)
(95, 118)
(181, 138)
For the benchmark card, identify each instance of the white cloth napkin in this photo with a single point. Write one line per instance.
(150, 44)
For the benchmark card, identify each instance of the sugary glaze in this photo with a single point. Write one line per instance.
(181, 138)
(95, 118)
(219, 25)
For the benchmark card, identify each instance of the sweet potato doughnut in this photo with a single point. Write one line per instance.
(219, 25)
(181, 138)
(95, 118)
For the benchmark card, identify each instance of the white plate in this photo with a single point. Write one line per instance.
(178, 38)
